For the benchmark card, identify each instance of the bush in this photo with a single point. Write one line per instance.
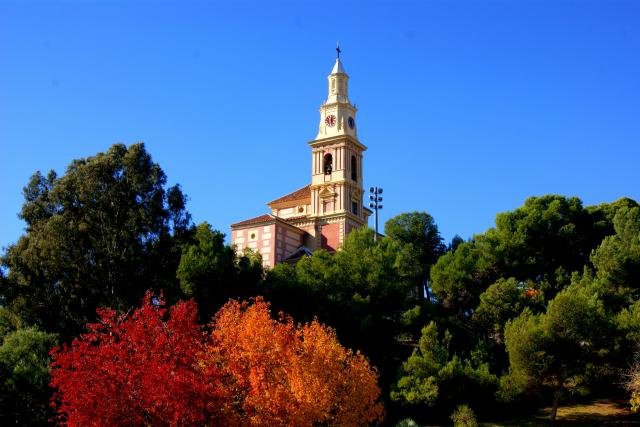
(632, 382)
(464, 416)
(407, 422)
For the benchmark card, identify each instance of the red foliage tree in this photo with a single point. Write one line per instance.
(136, 370)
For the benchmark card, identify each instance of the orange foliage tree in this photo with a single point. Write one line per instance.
(287, 374)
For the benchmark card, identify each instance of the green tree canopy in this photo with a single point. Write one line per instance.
(360, 290)
(555, 349)
(434, 373)
(459, 277)
(534, 241)
(602, 216)
(211, 272)
(501, 302)
(617, 259)
(99, 235)
(419, 230)
(24, 376)
(541, 243)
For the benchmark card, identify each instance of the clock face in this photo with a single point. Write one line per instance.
(352, 123)
(330, 120)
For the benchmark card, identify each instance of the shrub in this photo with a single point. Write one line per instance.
(464, 416)
(407, 422)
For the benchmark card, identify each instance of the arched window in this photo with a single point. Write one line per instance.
(327, 165)
(354, 168)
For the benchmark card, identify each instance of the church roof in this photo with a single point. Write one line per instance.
(256, 220)
(338, 68)
(302, 251)
(303, 193)
(267, 218)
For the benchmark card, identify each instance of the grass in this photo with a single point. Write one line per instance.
(601, 412)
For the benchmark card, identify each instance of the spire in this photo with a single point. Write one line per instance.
(338, 81)
(337, 67)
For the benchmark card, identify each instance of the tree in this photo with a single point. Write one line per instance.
(212, 272)
(554, 349)
(435, 374)
(138, 369)
(544, 240)
(97, 236)
(287, 374)
(159, 367)
(541, 242)
(602, 216)
(419, 230)
(24, 375)
(459, 277)
(617, 259)
(360, 291)
(207, 270)
(455, 242)
(502, 301)
(628, 322)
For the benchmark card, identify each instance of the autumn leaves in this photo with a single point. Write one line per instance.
(161, 368)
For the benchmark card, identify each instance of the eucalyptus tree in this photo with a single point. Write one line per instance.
(99, 235)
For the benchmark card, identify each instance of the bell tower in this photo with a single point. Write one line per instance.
(336, 165)
(322, 213)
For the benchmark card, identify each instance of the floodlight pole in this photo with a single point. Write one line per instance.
(375, 204)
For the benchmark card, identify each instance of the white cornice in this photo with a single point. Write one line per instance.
(337, 139)
(328, 105)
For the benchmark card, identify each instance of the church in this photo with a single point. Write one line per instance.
(322, 213)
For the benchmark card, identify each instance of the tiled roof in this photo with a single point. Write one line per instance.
(301, 194)
(256, 220)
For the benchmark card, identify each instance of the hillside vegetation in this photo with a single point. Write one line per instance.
(541, 309)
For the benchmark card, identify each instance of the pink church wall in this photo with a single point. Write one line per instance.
(331, 236)
(350, 226)
(259, 238)
(287, 241)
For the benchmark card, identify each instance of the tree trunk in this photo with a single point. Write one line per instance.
(425, 286)
(554, 408)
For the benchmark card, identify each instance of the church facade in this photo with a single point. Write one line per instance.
(322, 213)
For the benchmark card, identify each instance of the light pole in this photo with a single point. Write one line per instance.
(375, 204)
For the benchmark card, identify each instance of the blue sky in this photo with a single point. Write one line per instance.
(467, 107)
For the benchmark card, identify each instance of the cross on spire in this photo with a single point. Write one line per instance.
(338, 49)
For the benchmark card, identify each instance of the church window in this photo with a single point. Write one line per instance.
(354, 168)
(354, 207)
(327, 165)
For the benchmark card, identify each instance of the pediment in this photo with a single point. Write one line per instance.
(326, 193)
